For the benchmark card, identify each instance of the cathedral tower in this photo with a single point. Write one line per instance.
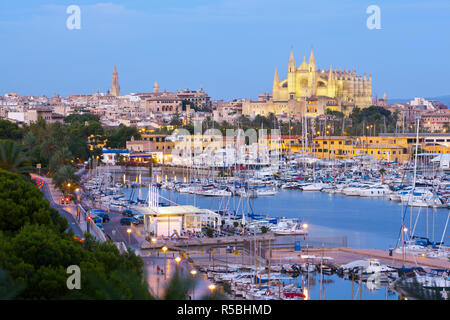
(291, 75)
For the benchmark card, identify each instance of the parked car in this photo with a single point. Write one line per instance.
(96, 219)
(99, 225)
(139, 217)
(127, 212)
(100, 213)
(128, 221)
(65, 200)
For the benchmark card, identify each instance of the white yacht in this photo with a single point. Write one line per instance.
(375, 191)
(288, 227)
(314, 187)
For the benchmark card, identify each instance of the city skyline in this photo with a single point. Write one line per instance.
(230, 49)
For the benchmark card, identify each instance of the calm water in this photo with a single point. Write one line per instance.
(366, 222)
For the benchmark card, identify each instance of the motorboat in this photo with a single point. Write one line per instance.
(314, 187)
(375, 191)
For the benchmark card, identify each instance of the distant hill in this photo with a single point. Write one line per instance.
(444, 99)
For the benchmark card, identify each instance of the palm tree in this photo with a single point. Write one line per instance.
(382, 171)
(13, 158)
(64, 175)
(61, 157)
(29, 140)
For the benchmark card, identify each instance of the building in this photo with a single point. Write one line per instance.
(421, 103)
(345, 147)
(115, 88)
(112, 156)
(438, 120)
(167, 221)
(309, 89)
(155, 145)
(177, 220)
(198, 99)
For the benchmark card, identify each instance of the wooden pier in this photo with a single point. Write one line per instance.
(344, 255)
(195, 243)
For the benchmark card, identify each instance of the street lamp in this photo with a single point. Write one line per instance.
(404, 230)
(153, 240)
(129, 234)
(177, 260)
(164, 249)
(193, 273)
(211, 287)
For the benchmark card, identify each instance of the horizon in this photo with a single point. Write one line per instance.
(228, 48)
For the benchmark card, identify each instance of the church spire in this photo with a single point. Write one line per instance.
(276, 79)
(312, 60)
(291, 62)
(304, 66)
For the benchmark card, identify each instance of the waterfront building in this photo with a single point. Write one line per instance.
(345, 147)
(112, 156)
(187, 147)
(167, 221)
(153, 144)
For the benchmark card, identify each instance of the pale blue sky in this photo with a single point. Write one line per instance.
(229, 47)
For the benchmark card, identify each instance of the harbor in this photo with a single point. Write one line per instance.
(336, 229)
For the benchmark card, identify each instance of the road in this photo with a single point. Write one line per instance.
(62, 211)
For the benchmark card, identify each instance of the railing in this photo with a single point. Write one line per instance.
(93, 228)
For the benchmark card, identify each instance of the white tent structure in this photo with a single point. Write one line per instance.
(176, 219)
(444, 160)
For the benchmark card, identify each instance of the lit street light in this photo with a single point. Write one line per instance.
(129, 234)
(212, 287)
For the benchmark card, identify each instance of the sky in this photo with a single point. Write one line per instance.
(230, 48)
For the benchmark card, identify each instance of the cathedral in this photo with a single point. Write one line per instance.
(312, 90)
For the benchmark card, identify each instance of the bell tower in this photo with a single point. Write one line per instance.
(115, 88)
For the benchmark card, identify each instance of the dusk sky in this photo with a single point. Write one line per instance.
(229, 47)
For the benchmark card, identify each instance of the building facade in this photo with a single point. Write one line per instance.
(309, 89)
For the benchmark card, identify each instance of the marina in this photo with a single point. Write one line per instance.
(332, 221)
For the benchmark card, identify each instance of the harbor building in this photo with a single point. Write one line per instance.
(166, 221)
(154, 144)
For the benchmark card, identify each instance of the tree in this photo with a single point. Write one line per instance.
(65, 175)
(176, 119)
(382, 172)
(13, 158)
(9, 130)
(35, 252)
(61, 157)
(22, 203)
(86, 117)
(117, 138)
